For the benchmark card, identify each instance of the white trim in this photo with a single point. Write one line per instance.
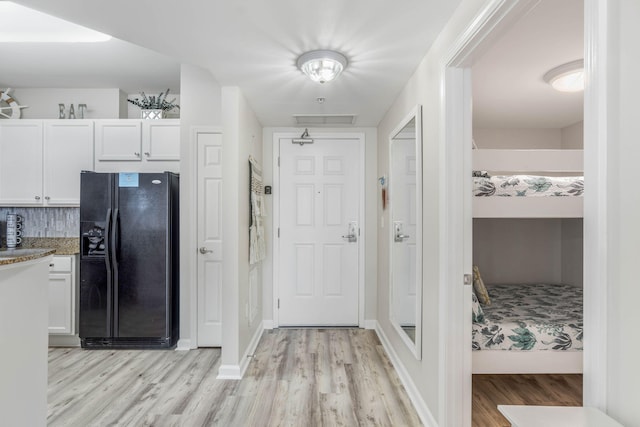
(370, 324)
(267, 324)
(229, 372)
(527, 362)
(412, 391)
(455, 208)
(595, 205)
(193, 234)
(184, 345)
(64, 341)
(236, 372)
(318, 134)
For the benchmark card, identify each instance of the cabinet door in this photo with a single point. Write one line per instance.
(21, 162)
(161, 140)
(60, 303)
(68, 149)
(118, 140)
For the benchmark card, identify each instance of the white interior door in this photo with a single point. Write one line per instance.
(320, 191)
(209, 262)
(404, 223)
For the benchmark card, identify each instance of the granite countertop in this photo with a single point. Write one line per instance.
(61, 245)
(13, 256)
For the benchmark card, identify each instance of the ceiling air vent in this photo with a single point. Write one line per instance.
(324, 119)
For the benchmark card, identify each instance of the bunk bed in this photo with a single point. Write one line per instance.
(535, 184)
(533, 328)
(528, 328)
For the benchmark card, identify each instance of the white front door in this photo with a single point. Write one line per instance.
(209, 264)
(319, 205)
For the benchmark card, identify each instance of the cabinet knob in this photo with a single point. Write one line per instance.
(51, 265)
(137, 154)
(146, 153)
(47, 197)
(37, 197)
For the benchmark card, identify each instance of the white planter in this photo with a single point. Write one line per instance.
(153, 114)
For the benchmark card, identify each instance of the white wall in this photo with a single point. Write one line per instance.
(573, 136)
(200, 106)
(242, 136)
(572, 252)
(623, 210)
(518, 138)
(513, 251)
(43, 102)
(372, 196)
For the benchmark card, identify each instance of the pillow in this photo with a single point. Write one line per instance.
(478, 313)
(480, 174)
(479, 288)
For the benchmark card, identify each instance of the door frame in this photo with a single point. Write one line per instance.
(455, 377)
(318, 134)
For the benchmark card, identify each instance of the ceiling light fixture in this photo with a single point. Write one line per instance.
(21, 24)
(322, 65)
(568, 77)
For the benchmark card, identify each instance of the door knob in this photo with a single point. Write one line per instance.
(401, 237)
(205, 251)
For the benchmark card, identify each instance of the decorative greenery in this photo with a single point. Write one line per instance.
(154, 103)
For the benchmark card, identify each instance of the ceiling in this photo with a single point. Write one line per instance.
(252, 44)
(508, 86)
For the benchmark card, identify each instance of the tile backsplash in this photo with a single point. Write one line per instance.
(44, 222)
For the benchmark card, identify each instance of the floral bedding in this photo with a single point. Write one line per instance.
(527, 186)
(530, 317)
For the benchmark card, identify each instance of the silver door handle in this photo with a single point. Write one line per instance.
(205, 251)
(401, 237)
(351, 238)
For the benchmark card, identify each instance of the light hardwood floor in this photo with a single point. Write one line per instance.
(489, 391)
(298, 377)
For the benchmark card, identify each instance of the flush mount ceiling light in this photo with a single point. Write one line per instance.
(567, 77)
(322, 65)
(21, 24)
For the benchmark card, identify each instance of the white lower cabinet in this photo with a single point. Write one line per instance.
(62, 297)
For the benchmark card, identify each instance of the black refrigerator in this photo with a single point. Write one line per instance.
(129, 266)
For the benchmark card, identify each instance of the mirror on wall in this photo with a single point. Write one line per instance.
(405, 204)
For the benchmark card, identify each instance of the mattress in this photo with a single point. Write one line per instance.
(528, 186)
(530, 317)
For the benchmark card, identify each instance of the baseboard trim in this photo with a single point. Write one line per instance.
(183, 345)
(267, 324)
(64, 341)
(370, 324)
(236, 372)
(229, 372)
(412, 391)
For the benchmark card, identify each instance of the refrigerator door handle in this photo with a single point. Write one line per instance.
(115, 238)
(107, 243)
(107, 261)
(113, 249)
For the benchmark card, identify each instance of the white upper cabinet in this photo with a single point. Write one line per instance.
(68, 149)
(118, 140)
(131, 145)
(40, 161)
(21, 162)
(161, 140)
